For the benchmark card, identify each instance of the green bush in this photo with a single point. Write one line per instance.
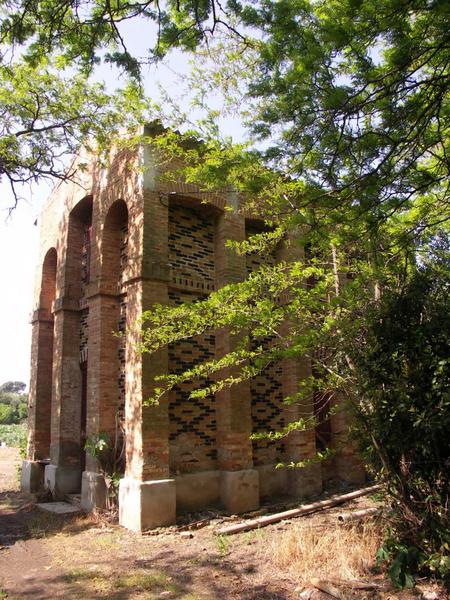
(7, 414)
(402, 368)
(14, 435)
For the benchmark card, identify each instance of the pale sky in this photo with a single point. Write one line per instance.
(19, 237)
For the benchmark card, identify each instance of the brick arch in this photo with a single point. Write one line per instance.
(77, 263)
(48, 280)
(71, 341)
(114, 251)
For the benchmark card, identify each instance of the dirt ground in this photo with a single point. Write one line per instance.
(44, 557)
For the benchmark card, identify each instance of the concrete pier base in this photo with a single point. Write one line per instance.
(239, 490)
(147, 504)
(62, 480)
(305, 481)
(32, 476)
(93, 491)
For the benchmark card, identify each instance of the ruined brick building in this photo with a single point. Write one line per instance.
(113, 244)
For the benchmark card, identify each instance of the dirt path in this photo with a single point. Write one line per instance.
(45, 557)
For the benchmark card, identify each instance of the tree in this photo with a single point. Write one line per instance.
(47, 117)
(13, 402)
(13, 387)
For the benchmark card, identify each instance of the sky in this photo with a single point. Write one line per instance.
(19, 237)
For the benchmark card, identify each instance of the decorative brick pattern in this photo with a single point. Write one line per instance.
(121, 354)
(267, 388)
(84, 334)
(85, 257)
(193, 423)
(191, 248)
(123, 250)
(267, 397)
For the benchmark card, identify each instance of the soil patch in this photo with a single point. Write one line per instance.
(46, 556)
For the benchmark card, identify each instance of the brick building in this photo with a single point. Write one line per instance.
(113, 244)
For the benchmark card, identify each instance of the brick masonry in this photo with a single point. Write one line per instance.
(111, 246)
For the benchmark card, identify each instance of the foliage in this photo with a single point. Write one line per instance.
(401, 369)
(48, 117)
(13, 402)
(13, 435)
(110, 459)
(6, 414)
(13, 387)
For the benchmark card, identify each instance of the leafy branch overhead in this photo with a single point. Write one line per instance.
(46, 117)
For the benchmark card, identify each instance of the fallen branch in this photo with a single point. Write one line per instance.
(358, 585)
(356, 515)
(327, 587)
(296, 512)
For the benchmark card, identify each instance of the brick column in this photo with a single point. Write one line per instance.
(239, 484)
(63, 475)
(103, 373)
(40, 401)
(299, 445)
(147, 496)
(347, 464)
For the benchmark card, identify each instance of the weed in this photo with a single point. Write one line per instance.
(223, 543)
(76, 575)
(144, 581)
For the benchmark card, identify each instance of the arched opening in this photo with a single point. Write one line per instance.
(77, 277)
(48, 280)
(42, 381)
(115, 245)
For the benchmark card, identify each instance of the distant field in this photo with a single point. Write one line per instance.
(14, 436)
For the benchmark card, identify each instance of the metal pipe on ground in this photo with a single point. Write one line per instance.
(296, 512)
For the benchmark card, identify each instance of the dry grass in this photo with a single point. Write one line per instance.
(335, 551)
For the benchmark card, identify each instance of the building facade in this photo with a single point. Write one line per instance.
(112, 245)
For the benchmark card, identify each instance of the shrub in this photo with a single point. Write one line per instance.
(402, 373)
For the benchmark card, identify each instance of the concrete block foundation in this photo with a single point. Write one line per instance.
(93, 491)
(272, 481)
(62, 480)
(196, 491)
(32, 476)
(305, 482)
(239, 490)
(147, 504)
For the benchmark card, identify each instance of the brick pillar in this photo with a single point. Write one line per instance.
(347, 464)
(299, 445)
(103, 393)
(40, 401)
(40, 398)
(348, 467)
(239, 485)
(147, 496)
(63, 475)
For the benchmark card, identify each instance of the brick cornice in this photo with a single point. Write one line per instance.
(66, 303)
(41, 315)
